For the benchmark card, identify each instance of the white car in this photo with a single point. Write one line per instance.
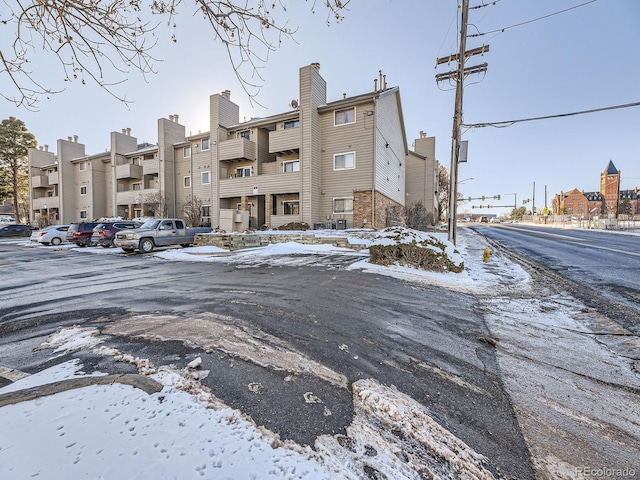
(54, 235)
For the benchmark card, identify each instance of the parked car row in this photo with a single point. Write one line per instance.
(86, 234)
(83, 234)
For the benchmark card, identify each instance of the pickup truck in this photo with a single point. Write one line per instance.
(157, 232)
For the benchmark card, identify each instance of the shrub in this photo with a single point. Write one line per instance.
(293, 226)
(411, 248)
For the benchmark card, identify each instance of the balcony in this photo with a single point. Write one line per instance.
(134, 197)
(43, 203)
(267, 184)
(237, 149)
(150, 167)
(53, 178)
(128, 171)
(284, 141)
(40, 181)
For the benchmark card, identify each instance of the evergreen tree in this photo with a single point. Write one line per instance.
(15, 141)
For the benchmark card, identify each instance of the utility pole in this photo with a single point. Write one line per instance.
(458, 75)
(533, 207)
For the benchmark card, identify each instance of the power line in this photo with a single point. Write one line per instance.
(534, 20)
(513, 122)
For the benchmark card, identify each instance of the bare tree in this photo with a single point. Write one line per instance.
(443, 191)
(93, 40)
(418, 218)
(156, 204)
(193, 211)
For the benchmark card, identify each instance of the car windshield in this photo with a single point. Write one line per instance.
(151, 224)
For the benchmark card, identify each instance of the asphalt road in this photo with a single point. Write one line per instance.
(269, 335)
(603, 266)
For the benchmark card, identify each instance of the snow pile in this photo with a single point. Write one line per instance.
(393, 436)
(414, 248)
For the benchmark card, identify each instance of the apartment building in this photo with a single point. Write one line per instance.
(341, 163)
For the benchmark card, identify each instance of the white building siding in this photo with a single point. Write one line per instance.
(390, 148)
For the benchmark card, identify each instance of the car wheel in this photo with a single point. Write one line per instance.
(146, 245)
(56, 241)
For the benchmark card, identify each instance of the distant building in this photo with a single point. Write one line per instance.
(610, 200)
(344, 162)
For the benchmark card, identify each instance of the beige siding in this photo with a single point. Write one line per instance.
(355, 137)
(67, 151)
(169, 133)
(313, 93)
(426, 147)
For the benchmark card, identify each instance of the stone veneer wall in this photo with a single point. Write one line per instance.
(238, 241)
(362, 209)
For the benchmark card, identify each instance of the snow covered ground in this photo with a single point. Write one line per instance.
(183, 431)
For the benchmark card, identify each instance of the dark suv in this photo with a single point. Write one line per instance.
(104, 233)
(80, 233)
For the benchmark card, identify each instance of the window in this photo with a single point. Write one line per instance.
(186, 151)
(83, 214)
(83, 190)
(246, 134)
(291, 124)
(137, 212)
(186, 182)
(342, 117)
(291, 166)
(136, 161)
(206, 178)
(291, 208)
(343, 161)
(343, 205)
(206, 215)
(136, 186)
(243, 172)
(83, 166)
(206, 144)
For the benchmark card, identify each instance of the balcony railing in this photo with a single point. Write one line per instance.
(237, 149)
(283, 141)
(50, 202)
(40, 181)
(266, 184)
(150, 167)
(128, 171)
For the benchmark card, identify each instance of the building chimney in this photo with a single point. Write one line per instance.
(129, 132)
(75, 138)
(69, 139)
(316, 65)
(46, 148)
(375, 84)
(175, 117)
(171, 118)
(226, 94)
(124, 131)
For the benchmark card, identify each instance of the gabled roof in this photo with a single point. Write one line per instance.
(611, 169)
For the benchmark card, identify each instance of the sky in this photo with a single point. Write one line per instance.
(582, 59)
(184, 431)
